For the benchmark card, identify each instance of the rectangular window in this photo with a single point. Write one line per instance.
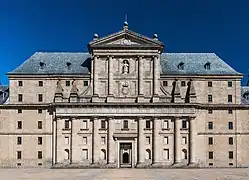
(166, 140)
(184, 140)
(66, 140)
(39, 125)
(230, 140)
(20, 98)
(230, 154)
(230, 111)
(40, 97)
(230, 84)
(210, 98)
(84, 140)
(19, 154)
(183, 83)
(19, 140)
(210, 84)
(210, 141)
(84, 124)
(66, 124)
(147, 124)
(125, 125)
(102, 140)
(230, 98)
(19, 111)
(39, 111)
(20, 83)
(165, 83)
(210, 111)
(67, 83)
(40, 83)
(85, 83)
(39, 154)
(184, 124)
(84, 154)
(19, 124)
(166, 153)
(165, 124)
(210, 155)
(147, 140)
(103, 124)
(230, 125)
(39, 140)
(210, 125)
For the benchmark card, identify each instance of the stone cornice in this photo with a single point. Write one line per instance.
(46, 76)
(25, 133)
(121, 105)
(201, 76)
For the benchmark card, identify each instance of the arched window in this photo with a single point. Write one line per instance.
(246, 95)
(148, 154)
(66, 154)
(180, 66)
(184, 154)
(207, 66)
(103, 154)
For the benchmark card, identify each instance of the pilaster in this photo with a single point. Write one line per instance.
(156, 141)
(111, 142)
(156, 76)
(192, 141)
(177, 140)
(95, 80)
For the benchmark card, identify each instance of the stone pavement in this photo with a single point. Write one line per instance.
(124, 174)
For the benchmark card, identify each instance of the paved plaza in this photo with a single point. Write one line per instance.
(127, 174)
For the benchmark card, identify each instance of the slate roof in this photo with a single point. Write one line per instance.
(57, 63)
(194, 64)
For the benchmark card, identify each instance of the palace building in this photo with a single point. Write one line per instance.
(124, 103)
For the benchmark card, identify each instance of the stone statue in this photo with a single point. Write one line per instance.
(126, 67)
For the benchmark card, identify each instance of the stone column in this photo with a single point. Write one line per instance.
(93, 135)
(110, 76)
(71, 140)
(156, 141)
(54, 123)
(192, 141)
(140, 148)
(156, 74)
(140, 75)
(95, 76)
(111, 142)
(177, 139)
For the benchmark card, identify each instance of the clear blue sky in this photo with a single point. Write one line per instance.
(220, 26)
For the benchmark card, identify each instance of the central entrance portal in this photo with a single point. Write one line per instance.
(125, 154)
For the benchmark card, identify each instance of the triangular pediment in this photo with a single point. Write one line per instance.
(126, 38)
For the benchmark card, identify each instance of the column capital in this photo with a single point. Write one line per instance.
(155, 118)
(140, 57)
(140, 118)
(93, 118)
(110, 118)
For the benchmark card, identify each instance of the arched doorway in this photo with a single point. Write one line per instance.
(125, 158)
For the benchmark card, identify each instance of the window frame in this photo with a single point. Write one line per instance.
(85, 83)
(230, 125)
(210, 155)
(67, 83)
(210, 125)
(210, 84)
(210, 140)
(39, 124)
(230, 98)
(40, 83)
(20, 83)
(210, 98)
(20, 97)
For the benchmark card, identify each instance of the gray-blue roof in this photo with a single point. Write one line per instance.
(57, 63)
(194, 64)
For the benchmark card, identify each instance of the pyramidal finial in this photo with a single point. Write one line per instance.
(125, 22)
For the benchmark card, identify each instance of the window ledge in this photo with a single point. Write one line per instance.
(84, 129)
(66, 129)
(102, 129)
(125, 129)
(165, 129)
(184, 129)
(147, 129)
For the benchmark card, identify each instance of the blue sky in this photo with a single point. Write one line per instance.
(220, 26)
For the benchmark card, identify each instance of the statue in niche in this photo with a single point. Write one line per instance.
(125, 67)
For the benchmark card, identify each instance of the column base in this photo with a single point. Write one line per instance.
(141, 99)
(110, 98)
(155, 98)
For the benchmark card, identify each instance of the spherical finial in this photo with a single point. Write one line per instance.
(96, 36)
(125, 23)
(155, 36)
